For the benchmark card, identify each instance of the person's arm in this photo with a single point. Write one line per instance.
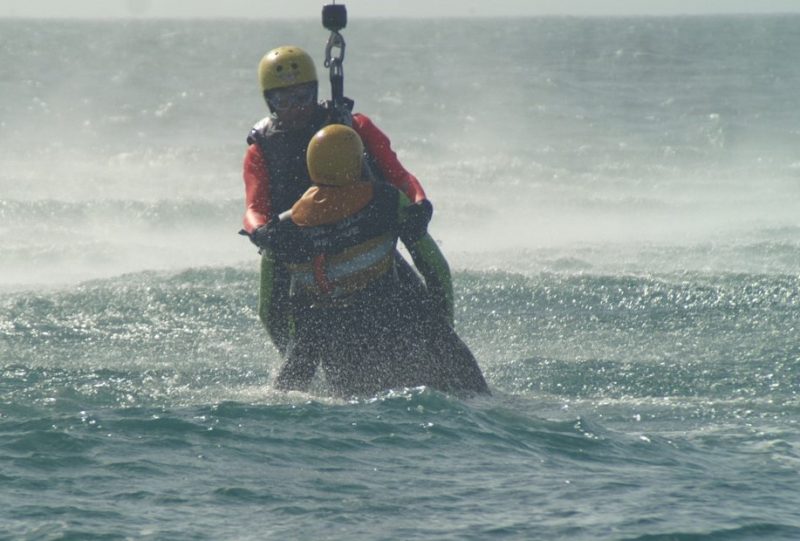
(427, 257)
(256, 187)
(380, 148)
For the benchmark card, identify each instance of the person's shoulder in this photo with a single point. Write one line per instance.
(386, 192)
(367, 129)
(259, 129)
(263, 123)
(362, 121)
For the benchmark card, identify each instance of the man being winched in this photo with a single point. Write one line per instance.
(351, 314)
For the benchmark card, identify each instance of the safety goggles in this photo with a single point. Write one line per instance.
(293, 96)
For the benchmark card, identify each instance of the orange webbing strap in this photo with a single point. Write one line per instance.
(319, 274)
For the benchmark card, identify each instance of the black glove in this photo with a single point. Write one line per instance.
(261, 236)
(283, 239)
(267, 237)
(414, 221)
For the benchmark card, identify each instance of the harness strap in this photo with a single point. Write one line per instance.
(319, 274)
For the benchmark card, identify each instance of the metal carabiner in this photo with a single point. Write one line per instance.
(335, 41)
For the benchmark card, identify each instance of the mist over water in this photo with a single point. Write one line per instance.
(127, 138)
(619, 200)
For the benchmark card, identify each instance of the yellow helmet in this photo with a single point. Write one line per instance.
(285, 66)
(334, 156)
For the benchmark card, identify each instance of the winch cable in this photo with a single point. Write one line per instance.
(334, 18)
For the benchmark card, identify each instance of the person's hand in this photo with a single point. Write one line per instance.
(265, 237)
(414, 221)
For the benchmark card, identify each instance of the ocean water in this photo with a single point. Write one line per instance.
(619, 200)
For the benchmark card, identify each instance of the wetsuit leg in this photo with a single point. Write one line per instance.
(303, 355)
(455, 363)
(451, 365)
(273, 302)
(353, 358)
(410, 280)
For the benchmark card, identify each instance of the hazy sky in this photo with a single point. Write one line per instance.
(382, 8)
